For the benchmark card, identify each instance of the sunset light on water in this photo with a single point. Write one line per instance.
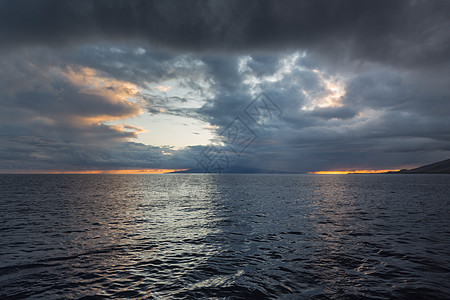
(354, 172)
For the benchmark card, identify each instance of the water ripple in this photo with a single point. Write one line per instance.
(229, 236)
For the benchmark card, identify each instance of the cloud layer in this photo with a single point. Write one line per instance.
(358, 85)
(412, 32)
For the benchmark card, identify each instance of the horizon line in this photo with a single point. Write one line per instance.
(179, 171)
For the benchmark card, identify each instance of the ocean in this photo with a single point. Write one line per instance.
(200, 236)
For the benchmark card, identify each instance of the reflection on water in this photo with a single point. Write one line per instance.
(241, 236)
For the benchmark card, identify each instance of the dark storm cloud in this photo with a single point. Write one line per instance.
(407, 32)
(334, 113)
(28, 153)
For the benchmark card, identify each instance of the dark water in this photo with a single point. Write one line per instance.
(225, 236)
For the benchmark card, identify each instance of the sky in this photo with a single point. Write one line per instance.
(223, 86)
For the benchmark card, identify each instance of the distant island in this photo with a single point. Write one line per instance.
(441, 167)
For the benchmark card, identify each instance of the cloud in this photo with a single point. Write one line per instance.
(359, 84)
(64, 110)
(59, 113)
(378, 116)
(400, 32)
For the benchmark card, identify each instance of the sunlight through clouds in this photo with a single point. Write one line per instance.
(91, 82)
(288, 63)
(331, 95)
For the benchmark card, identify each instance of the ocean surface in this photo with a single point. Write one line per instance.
(225, 236)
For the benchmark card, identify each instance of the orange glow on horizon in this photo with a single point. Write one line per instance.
(137, 171)
(353, 172)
